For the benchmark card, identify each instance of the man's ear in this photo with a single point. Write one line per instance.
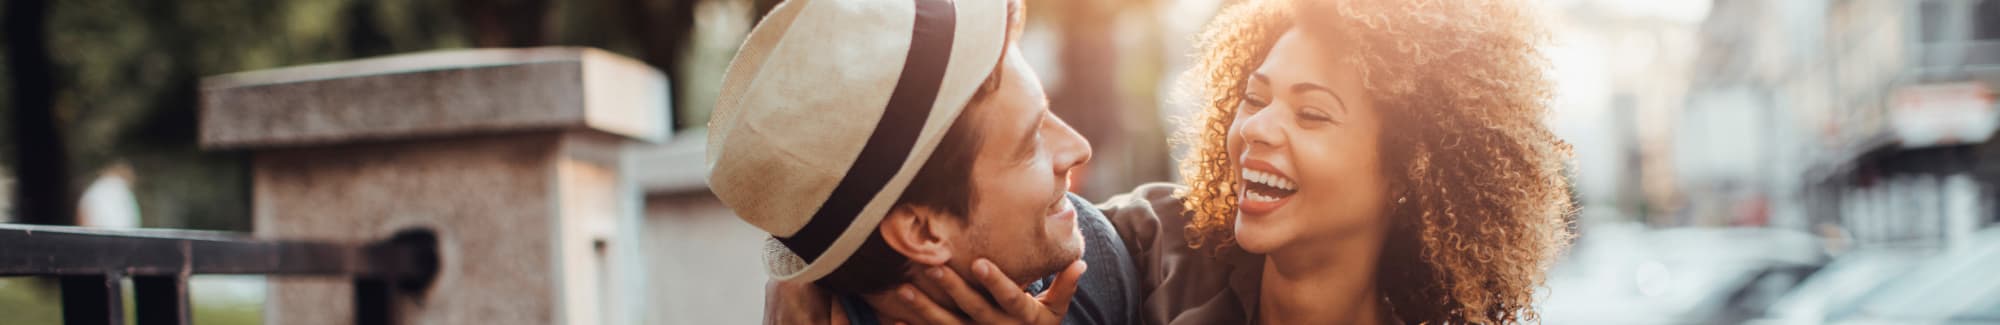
(922, 234)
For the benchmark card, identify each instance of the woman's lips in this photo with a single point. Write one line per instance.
(1262, 188)
(1258, 207)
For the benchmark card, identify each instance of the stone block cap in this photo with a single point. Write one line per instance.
(435, 94)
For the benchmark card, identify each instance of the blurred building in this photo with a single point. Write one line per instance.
(1908, 158)
(1621, 68)
(1737, 139)
(1865, 121)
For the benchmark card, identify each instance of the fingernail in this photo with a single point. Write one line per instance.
(937, 272)
(980, 267)
(908, 295)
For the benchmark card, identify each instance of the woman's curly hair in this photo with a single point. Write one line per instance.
(1484, 206)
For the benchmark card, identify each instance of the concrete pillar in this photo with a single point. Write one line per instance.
(511, 156)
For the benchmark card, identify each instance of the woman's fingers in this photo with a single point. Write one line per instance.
(927, 310)
(1004, 291)
(1059, 293)
(969, 301)
(1014, 305)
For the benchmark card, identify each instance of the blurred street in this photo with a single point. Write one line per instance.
(1780, 162)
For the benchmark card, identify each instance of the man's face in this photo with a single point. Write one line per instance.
(1020, 218)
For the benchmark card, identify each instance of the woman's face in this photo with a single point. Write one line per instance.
(1305, 143)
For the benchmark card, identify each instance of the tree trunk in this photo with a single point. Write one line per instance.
(663, 35)
(506, 23)
(41, 169)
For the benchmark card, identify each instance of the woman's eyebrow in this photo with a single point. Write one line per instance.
(1304, 87)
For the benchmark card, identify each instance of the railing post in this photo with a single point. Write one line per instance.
(93, 299)
(513, 157)
(160, 300)
(374, 302)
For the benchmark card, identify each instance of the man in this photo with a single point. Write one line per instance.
(882, 141)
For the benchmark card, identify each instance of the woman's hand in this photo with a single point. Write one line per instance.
(794, 303)
(1010, 304)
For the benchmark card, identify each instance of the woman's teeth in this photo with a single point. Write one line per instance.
(1253, 196)
(1268, 179)
(1264, 187)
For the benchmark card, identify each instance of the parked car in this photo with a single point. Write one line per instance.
(1835, 289)
(1677, 276)
(1959, 286)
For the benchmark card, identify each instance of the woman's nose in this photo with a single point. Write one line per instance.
(1265, 127)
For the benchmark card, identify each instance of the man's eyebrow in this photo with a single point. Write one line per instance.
(1304, 87)
(1026, 146)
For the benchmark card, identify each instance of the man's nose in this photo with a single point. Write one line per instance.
(1070, 149)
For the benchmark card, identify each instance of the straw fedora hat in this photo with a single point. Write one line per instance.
(829, 109)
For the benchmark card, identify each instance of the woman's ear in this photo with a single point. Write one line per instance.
(920, 233)
(1399, 195)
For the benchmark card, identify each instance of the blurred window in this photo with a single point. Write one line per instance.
(1986, 21)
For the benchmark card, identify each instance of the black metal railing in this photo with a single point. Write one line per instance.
(90, 265)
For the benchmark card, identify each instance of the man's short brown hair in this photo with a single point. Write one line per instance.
(944, 184)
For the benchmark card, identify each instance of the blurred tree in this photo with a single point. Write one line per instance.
(663, 27)
(654, 31)
(40, 161)
(123, 80)
(117, 80)
(506, 23)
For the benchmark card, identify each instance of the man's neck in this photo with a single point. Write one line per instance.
(1322, 283)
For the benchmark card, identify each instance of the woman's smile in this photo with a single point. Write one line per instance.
(1264, 189)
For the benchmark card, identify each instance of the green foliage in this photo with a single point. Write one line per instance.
(28, 301)
(127, 74)
(31, 301)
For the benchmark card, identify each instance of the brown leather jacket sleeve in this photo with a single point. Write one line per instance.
(1180, 284)
(1137, 216)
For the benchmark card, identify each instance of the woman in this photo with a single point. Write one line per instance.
(1379, 162)
(1355, 162)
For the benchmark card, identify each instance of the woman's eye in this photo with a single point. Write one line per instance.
(1254, 102)
(1314, 115)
